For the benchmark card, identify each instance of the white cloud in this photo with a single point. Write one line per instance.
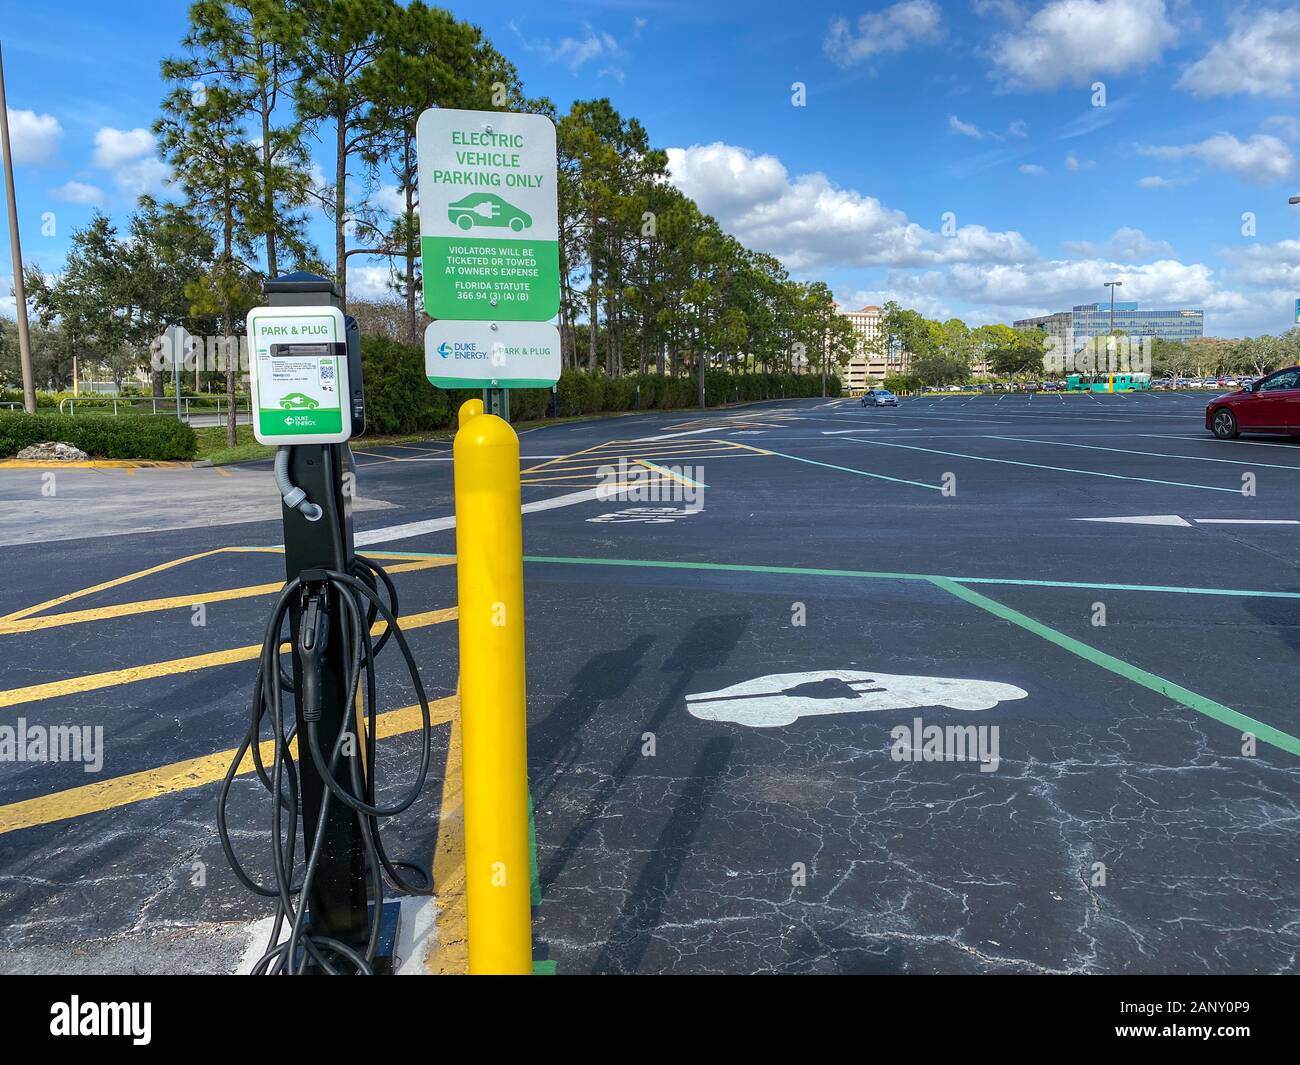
(1126, 244)
(1261, 57)
(932, 307)
(1032, 168)
(1018, 128)
(149, 175)
(809, 222)
(1275, 266)
(1262, 159)
(79, 193)
(1010, 10)
(391, 199)
(113, 147)
(34, 138)
(370, 283)
(1058, 284)
(1287, 126)
(893, 29)
(128, 155)
(576, 52)
(1155, 181)
(1073, 162)
(1076, 40)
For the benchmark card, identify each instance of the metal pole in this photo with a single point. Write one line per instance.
(1112, 285)
(497, 401)
(20, 296)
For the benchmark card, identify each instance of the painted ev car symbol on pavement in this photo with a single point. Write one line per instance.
(782, 698)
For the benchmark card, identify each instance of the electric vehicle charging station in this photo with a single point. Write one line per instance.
(308, 400)
(495, 296)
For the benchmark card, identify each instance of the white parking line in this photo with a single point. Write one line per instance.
(419, 528)
(1153, 454)
(1057, 469)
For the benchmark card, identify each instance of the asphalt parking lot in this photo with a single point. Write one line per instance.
(735, 671)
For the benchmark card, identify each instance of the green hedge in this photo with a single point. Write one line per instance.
(399, 398)
(160, 439)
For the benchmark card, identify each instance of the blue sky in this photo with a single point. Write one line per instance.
(949, 155)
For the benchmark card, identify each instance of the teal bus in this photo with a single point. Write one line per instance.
(1108, 382)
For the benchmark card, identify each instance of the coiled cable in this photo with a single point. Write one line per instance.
(360, 605)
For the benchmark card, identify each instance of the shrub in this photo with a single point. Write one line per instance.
(399, 398)
(160, 439)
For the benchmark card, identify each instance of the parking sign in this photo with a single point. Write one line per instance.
(489, 220)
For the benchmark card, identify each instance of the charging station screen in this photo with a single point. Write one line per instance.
(300, 361)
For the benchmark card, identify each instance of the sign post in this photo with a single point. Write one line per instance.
(489, 235)
(178, 342)
(489, 231)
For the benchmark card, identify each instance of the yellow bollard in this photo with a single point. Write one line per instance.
(490, 586)
(468, 409)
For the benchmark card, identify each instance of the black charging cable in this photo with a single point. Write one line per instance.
(343, 607)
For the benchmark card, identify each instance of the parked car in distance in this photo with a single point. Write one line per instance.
(879, 397)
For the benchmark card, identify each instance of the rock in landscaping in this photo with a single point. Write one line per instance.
(50, 451)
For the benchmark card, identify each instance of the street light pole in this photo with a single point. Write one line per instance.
(24, 340)
(1112, 285)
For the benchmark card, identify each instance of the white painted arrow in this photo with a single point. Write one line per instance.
(1174, 519)
(1142, 519)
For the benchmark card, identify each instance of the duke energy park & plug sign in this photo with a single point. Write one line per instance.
(489, 223)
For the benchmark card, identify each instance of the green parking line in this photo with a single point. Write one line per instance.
(883, 575)
(1190, 699)
(1242, 593)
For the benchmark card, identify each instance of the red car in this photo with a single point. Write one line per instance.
(1269, 405)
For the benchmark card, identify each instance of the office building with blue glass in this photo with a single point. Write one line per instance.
(1094, 320)
(1088, 320)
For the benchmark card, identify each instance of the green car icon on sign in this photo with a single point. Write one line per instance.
(486, 209)
(297, 401)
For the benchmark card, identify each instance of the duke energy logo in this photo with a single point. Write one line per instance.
(463, 350)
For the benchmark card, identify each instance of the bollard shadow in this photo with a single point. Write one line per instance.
(707, 645)
(553, 744)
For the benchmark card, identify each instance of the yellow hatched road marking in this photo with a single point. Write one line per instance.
(185, 775)
(172, 667)
(665, 472)
(171, 602)
(115, 583)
